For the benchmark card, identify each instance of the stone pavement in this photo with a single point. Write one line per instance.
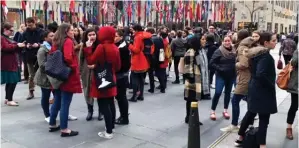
(277, 121)
(157, 122)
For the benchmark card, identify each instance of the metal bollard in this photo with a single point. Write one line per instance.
(194, 127)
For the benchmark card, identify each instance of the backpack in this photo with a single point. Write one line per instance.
(250, 140)
(147, 46)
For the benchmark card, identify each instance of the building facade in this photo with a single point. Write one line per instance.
(276, 16)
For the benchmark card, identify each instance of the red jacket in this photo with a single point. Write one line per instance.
(166, 61)
(138, 59)
(73, 84)
(8, 55)
(106, 37)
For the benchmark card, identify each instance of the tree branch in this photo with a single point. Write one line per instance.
(248, 8)
(260, 7)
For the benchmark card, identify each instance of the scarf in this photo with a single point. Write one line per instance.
(229, 54)
(202, 62)
(47, 45)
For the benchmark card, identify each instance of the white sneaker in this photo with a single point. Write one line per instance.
(48, 119)
(72, 118)
(105, 135)
(230, 128)
(212, 86)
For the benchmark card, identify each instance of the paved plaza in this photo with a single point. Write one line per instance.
(156, 122)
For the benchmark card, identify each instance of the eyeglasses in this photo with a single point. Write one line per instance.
(211, 28)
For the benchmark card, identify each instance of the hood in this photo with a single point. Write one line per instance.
(106, 34)
(144, 35)
(247, 42)
(255, 51)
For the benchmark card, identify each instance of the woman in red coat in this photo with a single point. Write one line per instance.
(106, 97)
(63, 96)
(10, 74)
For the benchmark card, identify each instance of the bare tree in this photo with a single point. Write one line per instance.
(253, 8)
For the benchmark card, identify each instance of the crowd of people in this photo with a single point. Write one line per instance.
(108, 60)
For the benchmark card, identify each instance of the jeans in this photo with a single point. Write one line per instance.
(108, 109)
(161, 74)
(46, 93)
(263, 125)
(176, 68)
(9, 90)
(62, 102)
(293, 108)
(220, 83)
(236, 108)
(138, 83)
(121, 97)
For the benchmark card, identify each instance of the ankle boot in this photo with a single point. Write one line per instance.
(90, 112)
(133, 99)
(31, 95)
(289, 133)
(100, 117)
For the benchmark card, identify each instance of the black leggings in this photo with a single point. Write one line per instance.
(9, 90)
(176, 68)
(108, 110)
(293, 108)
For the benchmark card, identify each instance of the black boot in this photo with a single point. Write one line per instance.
(100, 117)
(133, 99)
(90, 112)
(122, 121)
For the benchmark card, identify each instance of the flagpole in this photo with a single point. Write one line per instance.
(46, 14)
(116, 12)
(24, 13)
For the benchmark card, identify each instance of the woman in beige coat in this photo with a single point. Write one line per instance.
(243, 77)
(89, 41)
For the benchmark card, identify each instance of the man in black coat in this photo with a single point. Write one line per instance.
(158, 43)
(33, 39)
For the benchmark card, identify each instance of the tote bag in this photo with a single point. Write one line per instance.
(283, 77)
(104, 75)
(279, 63)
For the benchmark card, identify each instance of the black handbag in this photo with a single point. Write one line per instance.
(104, 75)
(56, 67)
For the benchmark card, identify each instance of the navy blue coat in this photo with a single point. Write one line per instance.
(261, 91)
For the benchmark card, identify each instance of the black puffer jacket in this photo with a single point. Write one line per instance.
(224, 66)
(158, 43)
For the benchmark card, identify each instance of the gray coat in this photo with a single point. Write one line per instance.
(293, 82)
(40, 78)
(178, 47)
(85, 74)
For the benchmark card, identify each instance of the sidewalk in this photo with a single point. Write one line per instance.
(277, 127)
(276, 131)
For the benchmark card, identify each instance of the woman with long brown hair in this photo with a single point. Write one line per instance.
(63, 96)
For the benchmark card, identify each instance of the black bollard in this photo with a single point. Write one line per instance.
(194, 130)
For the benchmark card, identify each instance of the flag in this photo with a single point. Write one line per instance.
(139, 9)
(52, 14)
(46, 4)
(129, 10)
(72, 7)
(133, 11)
(148, 8)
(180, 10)
(186, 9)
(198, 14)
(61, 15)
(23, 3)
(39, 12)
(4, 6)
(105, 6)
(191, 10)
